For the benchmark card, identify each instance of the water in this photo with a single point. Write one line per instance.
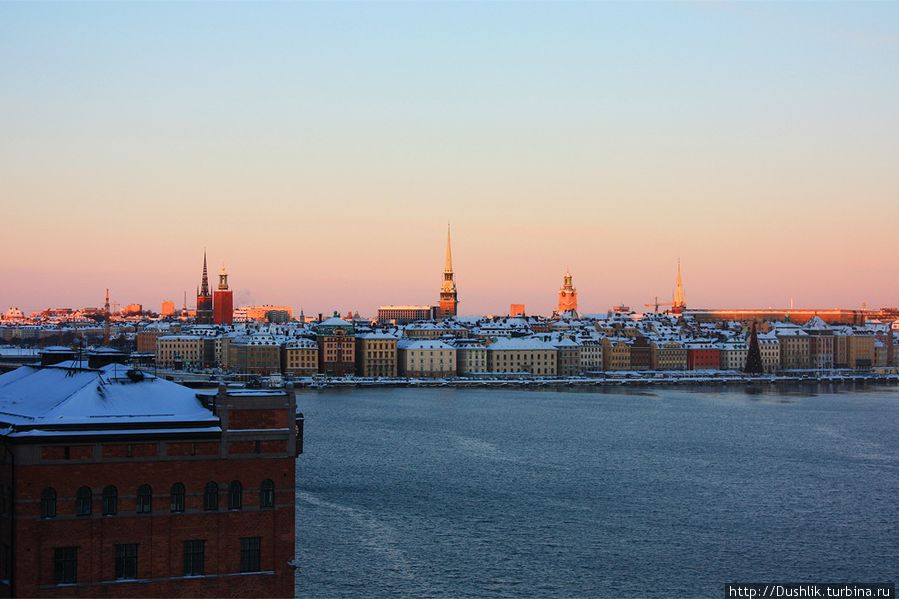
(661, 493)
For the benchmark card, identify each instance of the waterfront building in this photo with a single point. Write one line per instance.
(703, 356)
(118, 483)
(821, 350)
(769, 346)
(376, 355)
(223, 301)
(299, 357)
(336, 347)
(471, 356)
(591, 353)
(449, 301)
(641, 353)
(404, 314)
(880, 353)
(516, 310)
(668, 354)
(426, 358)
(860, 349)
(616, 353)
(183, 352)
(526, 355)
(568, 356)
(795, 346)
(204, 298)
(257, 354)
(734, 354)
(567, 296)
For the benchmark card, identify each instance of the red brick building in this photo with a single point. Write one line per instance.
(703, 356)
(116, 483)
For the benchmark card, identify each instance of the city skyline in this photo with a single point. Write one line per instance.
(319, 149)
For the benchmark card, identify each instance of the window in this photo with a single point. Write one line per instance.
(65, 565)
(48, 503)
(126, 561)
(83, 501)
(267, 493)
(144, 499)
(110, 501)
(177, 497)
(194, 557)
(211, 497)
(235, 495)
(250, 554)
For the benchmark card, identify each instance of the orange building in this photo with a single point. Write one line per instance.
(168, 308)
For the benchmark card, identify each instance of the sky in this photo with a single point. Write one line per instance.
(318, 150)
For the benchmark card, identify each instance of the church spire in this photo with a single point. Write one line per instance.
(204, 284)
(680, 301)
(448, 266)
(448, 298)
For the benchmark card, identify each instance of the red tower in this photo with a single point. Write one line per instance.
(223, 301)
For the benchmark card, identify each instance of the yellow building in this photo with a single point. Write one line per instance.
(254, 354)
(376, 355)
(616, 353)
(668, 355)
(426, 359)
(184, 351)
(299, 357)
(860, 350)
(522, 355)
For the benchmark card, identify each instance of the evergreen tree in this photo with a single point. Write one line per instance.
(754, 357)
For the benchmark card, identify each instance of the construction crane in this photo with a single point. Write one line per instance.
(657, 303)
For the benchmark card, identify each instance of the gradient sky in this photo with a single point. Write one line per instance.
(319, 149)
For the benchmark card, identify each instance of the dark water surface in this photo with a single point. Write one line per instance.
(660, 493)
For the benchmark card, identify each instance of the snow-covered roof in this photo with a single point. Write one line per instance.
(406, 344)
(69, 395)
(520, 344)
(335, 322)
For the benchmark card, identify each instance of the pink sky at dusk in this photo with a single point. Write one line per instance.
(318, 151)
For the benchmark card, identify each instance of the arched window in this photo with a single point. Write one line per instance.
(267, 493)
(110, 501)
(84, 501)
(211, 497)
(235, 495)
(144, 499)
(48, 503)
(177, 497)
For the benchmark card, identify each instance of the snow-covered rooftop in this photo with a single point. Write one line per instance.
(68, 395)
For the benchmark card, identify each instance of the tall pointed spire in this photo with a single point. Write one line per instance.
(680, 300)
(448, 266)
(204, 284)
(448, 298)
